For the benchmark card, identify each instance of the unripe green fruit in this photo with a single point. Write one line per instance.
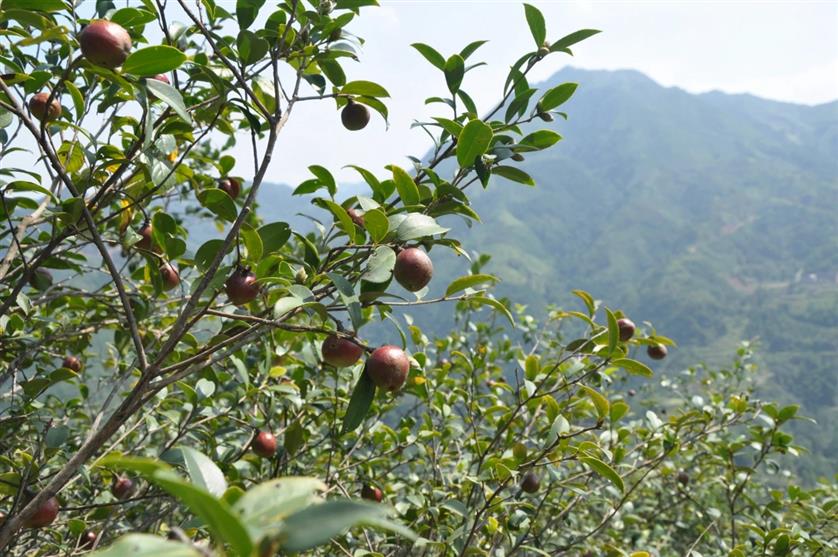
(300, 277)
(546, 116)
(517, 157)
(105, 43)
(355, 116)
(40, 279)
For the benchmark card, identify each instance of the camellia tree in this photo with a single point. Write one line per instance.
(233, 405)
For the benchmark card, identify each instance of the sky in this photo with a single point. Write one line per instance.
(785, 51)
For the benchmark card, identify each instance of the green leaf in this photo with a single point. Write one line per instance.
(418, 225)
(75, 94)
(343, 219)
(359, 404)
(274, 236)
(538, 28)
(141, 465)
(600, 402)
(468, 281)
(145, 545)
(203, 472)
(494, 304)
(252, 47)
(557, 96)
(153, 60)
(455, 69)
(253, 243)
(471, 48)
(264, 506)
(206, 253)
(613, 331)
(431, 55)
(170, 96)
(514, 174)
(633, 366)
(317, 524)
(246, 11)
(219, 203)
(605, 471)
(365, 88)
(541, 139)
(286, 304)
(473, 142)
(572, 39)
(408, 192)
(380, 265)
(377, 224)
(222, 522)
(349, 297)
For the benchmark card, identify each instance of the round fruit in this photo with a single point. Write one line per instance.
(162, 77)
(626, 328)
(145, 231)
(356, 217)
(530, 482)
(264, 444)
(230, 186)
(683, 478)
(657, 351)
(88, 539)
(241, 286)
(387, 366)
(632, 392)
(71, 362)
(546, 116)
(340, 352)
(122, 487)
(371, 493)
(413, 269)
(39, 109)
(105, 43)
(45, 515)
(170, 276)
(518, 157)
(40, 279)
(355, 116)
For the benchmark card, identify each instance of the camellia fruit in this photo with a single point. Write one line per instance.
(122, 487)
(683, 478)
(530, 482)
(39, 109)
(657, 351)
(340, 352)
(355, 116)
(627, 328)
(356, 217)
(170, 276)
(387, 366)
(71, 362)
(44, 515)
(105, 43)
(413, 269)
(88, 539)
(162, 77)
(371, 493)
(146, 241)
(241, 286)
(40, 279)
(230, 186)
(264, 444)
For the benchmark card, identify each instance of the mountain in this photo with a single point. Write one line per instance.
(712, 216)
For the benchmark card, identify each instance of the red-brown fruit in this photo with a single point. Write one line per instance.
(71, 362)
(45, 515)
(657, 351)
(170, 276)
(162, 77)
(122, 487)
(340, 352)
(88, 539)
(145, 231)
(356, 217)
(387, 366)
(264, 444)
(40, 279)
(530, 482)
(683, 478)
(413, 269)
(105, 43)
(355, 116)
(626, 327)
(371, 493)
(39, 109)
(230, 186)
(632, 392)
(241, 286)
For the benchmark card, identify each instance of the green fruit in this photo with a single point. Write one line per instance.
(355, 116)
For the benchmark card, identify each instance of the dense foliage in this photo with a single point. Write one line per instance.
(239, 410)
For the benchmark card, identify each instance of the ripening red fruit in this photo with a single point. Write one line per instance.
(657, 351)
(162, 77)
(44, 515)
(632, 392)
(241, 286)
(356, 217)
(340, 352)
(413, 269)
(122, 487)
(71, 362)
(105, 43)
(371, 493)
(530, 482)
(387, 366)
(626, 327)
(683, 478)
(39, 109)
(264, 444)
(230, 186)
(145, 231)
(170, 276)
(88, 539)
(355, 116)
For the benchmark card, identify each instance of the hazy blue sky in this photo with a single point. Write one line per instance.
(779, 50)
